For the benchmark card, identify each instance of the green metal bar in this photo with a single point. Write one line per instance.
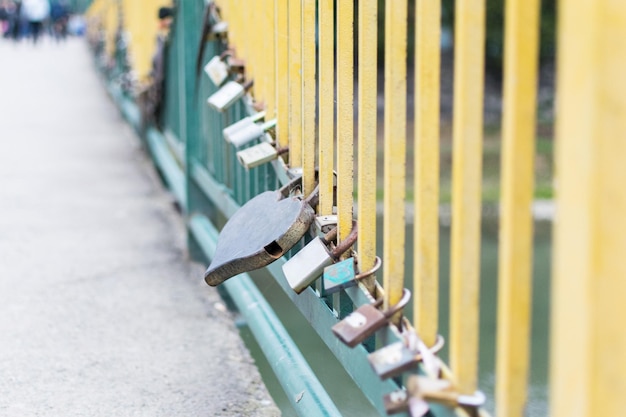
(190, 13)
(305, 392)
(172, 172)
(217, 192)
(128, 108)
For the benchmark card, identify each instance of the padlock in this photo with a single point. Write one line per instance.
(258, 155)
(220, 27)
(326, 223)
(217, 70)
(212, 27)
(308, 264)
(248, 133)
(442, 392)
(213, 22)
(260, 232)
(396, 402)
(398, 357)
(228, 131)
(226, 96)
(366, 320)
(418, 407)
(341, 275)
(400, 401)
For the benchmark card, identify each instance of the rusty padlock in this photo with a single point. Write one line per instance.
(366, 320)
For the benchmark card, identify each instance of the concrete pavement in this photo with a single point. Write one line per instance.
(100, 312)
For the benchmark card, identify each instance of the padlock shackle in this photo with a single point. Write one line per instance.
(235, 65)
(377, 264)
(312, 198)
(248, 85)
(268, 125)
(427, 355)
(406, 296)
(226, 54)
(347, 243)
(330, 236)
(286, 189)
(257, 116)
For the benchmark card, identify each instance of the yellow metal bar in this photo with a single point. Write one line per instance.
(111, 24)
(282, 71)
(247, 52)
(467, 128)
(235, 32)
(395, 148)
(308, 96)
(260, 56)
(141, 22)
(241, 32)
(255, 45)
(345, 116)
(366, 177)
(588, 338)
(242, 45)
(426, 184)
(270, 62)
(326, 105)
(295, 83)
(515, 254)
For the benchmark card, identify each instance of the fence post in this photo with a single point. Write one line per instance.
(588, 337)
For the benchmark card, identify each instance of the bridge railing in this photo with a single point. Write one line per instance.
(301, 56)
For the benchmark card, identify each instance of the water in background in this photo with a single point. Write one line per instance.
(340, 387)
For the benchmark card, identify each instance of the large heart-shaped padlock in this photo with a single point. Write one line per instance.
(260, 232)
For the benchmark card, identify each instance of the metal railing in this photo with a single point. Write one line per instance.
(301, 57)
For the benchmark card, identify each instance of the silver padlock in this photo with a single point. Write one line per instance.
(217, 70)
(258, 155)
(308, 264)
(396, 402)
(226, 96)
(213, 23)
(399, 357)
(228, 131)
(220, 27)
(249, 133)
(325, 223)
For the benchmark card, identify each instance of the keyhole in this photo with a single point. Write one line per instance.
(274, 250)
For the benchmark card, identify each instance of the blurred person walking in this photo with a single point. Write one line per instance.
(13, 19)
(59, 18)
(36, 12)
(4, 16)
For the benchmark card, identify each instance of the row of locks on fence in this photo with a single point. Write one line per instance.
(275, 221)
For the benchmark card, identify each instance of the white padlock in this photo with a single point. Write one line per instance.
(217, 70)
(226, 96)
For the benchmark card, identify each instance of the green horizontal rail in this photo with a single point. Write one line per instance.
(165, 160)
